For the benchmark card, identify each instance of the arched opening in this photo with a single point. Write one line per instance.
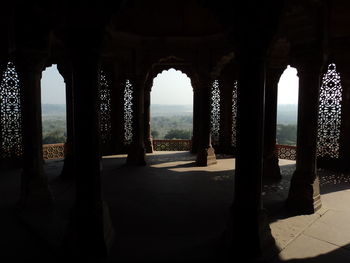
(53, 106)
(287, 111)
(172, 111)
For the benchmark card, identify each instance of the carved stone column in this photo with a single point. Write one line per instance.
(136, 153)
(206, 153)
(147, 125)
(196, 118)
(225, 144)
(247, 223)
(34, 186)
(117, 112)
(304, 192)
(270, 166)
(90, 233)
(68, 165)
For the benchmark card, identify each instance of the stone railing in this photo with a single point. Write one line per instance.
(53, 151)
(56, 151)
(172, 145)
(286, 151)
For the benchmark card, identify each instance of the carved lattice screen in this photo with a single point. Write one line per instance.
(10, 108)
(105, 109)
(128, 112)
(215, 112)
(329, 118)
(234, 114)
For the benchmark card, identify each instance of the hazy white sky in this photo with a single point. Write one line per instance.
(52, 87)
(172, 87)
(288, 87)
(169, 87)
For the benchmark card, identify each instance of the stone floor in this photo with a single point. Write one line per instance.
(171, 210)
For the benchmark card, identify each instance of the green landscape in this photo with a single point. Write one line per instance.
(167, 122)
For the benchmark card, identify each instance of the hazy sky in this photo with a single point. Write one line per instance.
(288, 87)
(169, 87)
(172, 87)
(52, 87)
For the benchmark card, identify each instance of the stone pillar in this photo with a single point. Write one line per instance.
(147, 125)
(117, 112)
(225, 144)
(270, 167)
(304, 192)
(248, 229)
(196, 119)
(68, 165)
(91, 233)
(34, 185)
(206, 154)
(136, 153)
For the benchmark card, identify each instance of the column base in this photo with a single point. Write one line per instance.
(68, 169)
(271, 169)
(89, 239)
(136, 156)
(304, 197)
(248, 238)
(194, 145)
(149, 146)
(206, 157)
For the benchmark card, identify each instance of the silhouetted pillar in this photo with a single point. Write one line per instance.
(206, 153)
(68, 165)
(34, 185)
(92, 230)
(136, 153)
(270, 167)
(304, 192)
(248, 231)
(196, 118)
(225, 144)
(117, 112)
(147, 125)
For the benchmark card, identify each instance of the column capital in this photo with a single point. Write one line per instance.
(30, 61)
(308, 59)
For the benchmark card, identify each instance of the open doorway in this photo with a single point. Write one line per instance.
(287, 109)
(53, 110)
(172, 111)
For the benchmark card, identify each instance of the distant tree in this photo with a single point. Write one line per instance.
(155, 134)
(53, 137)
(178, 134)
(286, 134)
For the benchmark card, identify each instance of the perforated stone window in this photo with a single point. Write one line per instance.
(11, 118)
(329, 118)
(234, 114)
(105, 108)
(128, 112)
(215, 112)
